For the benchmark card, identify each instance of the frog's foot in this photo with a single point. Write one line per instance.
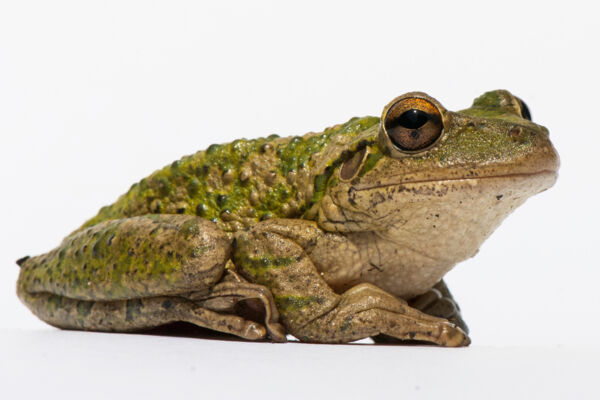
(188, 311)
(438, 302)
(255, 302)
(366, 310)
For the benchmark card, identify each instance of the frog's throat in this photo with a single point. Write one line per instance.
(538, 174)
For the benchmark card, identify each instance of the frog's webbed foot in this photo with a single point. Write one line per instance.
(247, 300)
(235, 306)
(189, 311)
(438, 301)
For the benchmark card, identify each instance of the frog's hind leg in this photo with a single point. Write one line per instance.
(137, 314)
(254, 302)
(142, 272)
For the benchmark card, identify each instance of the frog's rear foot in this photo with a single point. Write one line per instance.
(438, 301)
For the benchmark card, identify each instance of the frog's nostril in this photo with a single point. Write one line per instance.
(515, 132)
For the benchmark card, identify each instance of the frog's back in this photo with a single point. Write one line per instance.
(239, 183)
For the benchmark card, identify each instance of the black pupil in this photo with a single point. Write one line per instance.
(412, 119)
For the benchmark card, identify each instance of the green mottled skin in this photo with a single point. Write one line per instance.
(196, 184)
(119, 259)
(332, 234)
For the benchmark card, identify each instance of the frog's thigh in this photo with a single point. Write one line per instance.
(276, 254)
(145, 256)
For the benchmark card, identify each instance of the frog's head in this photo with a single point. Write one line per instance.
(439, 182)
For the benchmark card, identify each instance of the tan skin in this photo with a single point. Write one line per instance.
(331, 237)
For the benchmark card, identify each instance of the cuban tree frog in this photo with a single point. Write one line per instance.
(330, 237)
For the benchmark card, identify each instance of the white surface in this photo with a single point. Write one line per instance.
(95, 96)
(76, 365)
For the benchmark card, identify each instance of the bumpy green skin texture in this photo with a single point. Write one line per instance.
(218, 184)
(145, 256)
(490, 105)
(297, 289)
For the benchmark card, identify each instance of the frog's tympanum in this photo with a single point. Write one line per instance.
(330, 237)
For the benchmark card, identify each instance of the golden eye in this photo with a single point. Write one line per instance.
(412, 124)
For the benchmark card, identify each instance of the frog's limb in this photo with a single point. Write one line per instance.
(438, 301)
(136, 314)
(227, 296)
(146, 256)
(138, 273)
(279, 255)
(365, 311)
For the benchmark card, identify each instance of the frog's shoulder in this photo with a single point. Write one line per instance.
(238, 183)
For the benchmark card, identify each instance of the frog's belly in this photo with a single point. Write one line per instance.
(430, 232)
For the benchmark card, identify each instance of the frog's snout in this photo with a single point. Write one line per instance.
(546, 156)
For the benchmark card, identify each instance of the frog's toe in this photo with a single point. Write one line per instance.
(254, 331)
(453, 336)
(277, 332)
(439, 302)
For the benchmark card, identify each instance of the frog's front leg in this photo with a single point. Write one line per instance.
(142, 272)
(282, 254)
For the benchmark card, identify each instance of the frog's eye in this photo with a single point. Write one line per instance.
(525, 113)
(412, 124)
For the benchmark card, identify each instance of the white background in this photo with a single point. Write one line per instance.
(96, 95)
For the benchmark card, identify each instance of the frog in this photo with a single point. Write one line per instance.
(328, 237)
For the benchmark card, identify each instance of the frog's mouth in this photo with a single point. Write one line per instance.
(541, 164)
(547, 176)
